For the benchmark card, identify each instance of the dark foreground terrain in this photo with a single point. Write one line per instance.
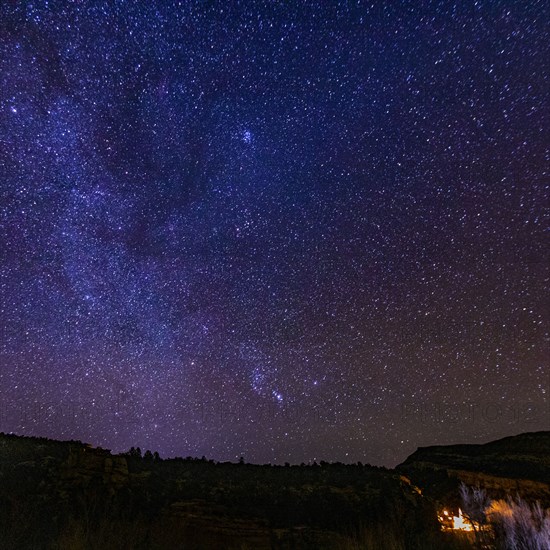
(69, 495)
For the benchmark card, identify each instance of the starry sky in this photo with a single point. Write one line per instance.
(289, 231)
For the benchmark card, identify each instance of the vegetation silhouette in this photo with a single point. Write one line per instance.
(69, 494)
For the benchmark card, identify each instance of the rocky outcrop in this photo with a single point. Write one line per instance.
(501, 487)
(85, 464)
(513, 465)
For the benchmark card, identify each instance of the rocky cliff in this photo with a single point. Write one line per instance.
(513, 465)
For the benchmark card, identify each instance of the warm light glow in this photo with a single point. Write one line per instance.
(450, 522)
(459, 523)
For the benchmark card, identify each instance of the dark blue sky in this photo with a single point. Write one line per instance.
(289, 231)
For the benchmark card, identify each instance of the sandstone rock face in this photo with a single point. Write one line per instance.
(513, 465)
(116, 471)
(85, 464)
(502, 486)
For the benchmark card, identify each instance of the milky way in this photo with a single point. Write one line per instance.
(284, 231)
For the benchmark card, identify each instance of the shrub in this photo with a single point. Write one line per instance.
(519, 525)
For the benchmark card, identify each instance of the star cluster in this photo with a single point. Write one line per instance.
(288, 231)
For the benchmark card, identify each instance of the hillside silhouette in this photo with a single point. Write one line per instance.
(68, 494)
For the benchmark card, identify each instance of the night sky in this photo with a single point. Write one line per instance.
(289, 231)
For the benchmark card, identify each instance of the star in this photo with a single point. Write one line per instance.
(314, 219)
